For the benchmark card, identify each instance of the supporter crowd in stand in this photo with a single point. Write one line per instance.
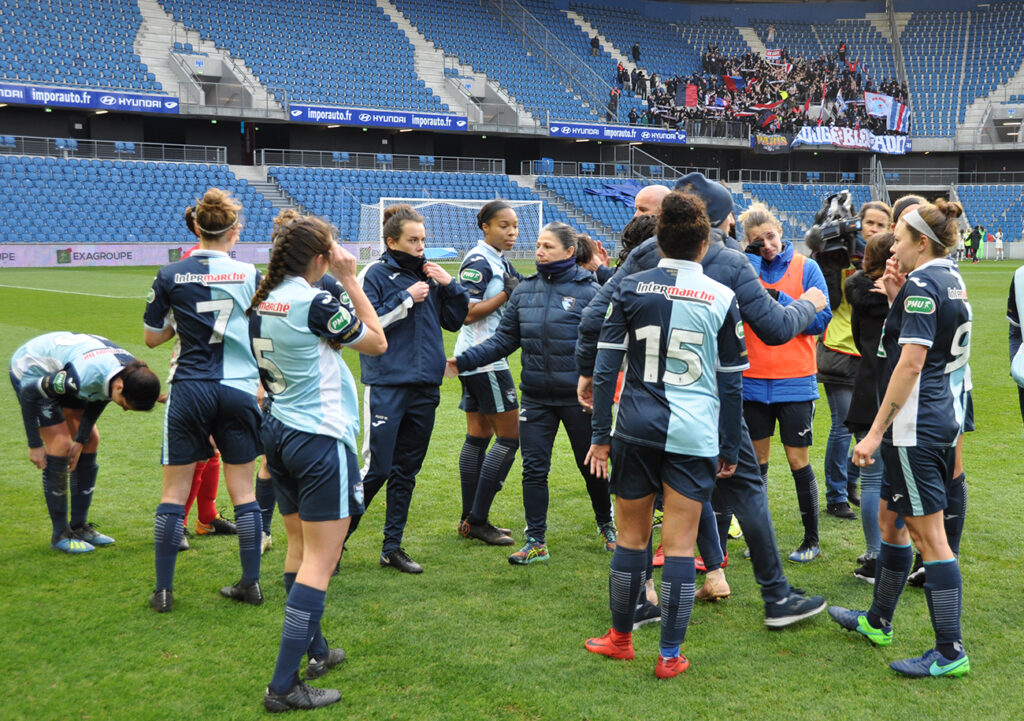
(771, 95)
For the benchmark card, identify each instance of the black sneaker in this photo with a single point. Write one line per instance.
(852, 495)
(866, 571)
(489, 534)
(317, 667)
(794, 607)
(162, 600)
(646, 613)
(300, 696)
(399, 559)
(841, 510)
(916, 577)
(253, 595)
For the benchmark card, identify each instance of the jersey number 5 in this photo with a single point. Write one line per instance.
(270, 372)
(678, 339)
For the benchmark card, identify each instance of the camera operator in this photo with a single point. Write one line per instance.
(837, 355)
(781, 384)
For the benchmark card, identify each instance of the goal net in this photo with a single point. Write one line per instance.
(451, 225)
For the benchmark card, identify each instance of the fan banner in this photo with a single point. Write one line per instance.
(770, 143)
(854, 139)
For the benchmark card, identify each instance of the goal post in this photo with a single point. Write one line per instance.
(451, 224)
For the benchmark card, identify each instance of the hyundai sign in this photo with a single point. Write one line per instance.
(376, 118)
(88, 98)
(620, 133)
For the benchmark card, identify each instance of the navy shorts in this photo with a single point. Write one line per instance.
(50, 413)
(489, 392)
(916, 478)
(639, 471)
(315, 476)
(197, 410)
(796, 421)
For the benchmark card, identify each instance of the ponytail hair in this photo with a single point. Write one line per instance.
(395, 216)
(488, 211)
(215, 214)
(901, 205)
(585, 249)
(190, 220)
(141, 385)
(297, 240)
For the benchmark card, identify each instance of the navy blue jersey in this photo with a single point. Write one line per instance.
(931, 310)
(208, 294)
(678, 329)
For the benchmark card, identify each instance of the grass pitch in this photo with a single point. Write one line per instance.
(472, 637)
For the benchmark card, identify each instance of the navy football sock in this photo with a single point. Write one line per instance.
(495, 468)
(707, 539)
(625, 582)
(266, 499)
(678, 585)
(894, 564)
(956, 512)
(471, 458)
(250, 533)
(83, 481)
(289, 581)
(807, 499)
(167, 532)
(55, 490)
(943, 587)
(318, 646)
(304, 608)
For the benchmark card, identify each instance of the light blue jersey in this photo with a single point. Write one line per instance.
(78, 364)
(678, 329)
(482, 273)
(313, 389)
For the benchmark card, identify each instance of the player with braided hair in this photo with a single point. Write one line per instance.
(213, 389)
(309, 433)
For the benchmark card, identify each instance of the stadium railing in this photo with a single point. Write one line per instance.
(369, 161)
(112, 149)
(797, 177)
(547, 166)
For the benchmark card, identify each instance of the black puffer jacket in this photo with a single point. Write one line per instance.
(543, 317)
(869, 312)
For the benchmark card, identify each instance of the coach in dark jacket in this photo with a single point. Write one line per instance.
(542, 317)
(743, 492)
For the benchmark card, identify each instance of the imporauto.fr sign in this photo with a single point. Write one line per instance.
(364, 117)
(88, 98)
(620, 133)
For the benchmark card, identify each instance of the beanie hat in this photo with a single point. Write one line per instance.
(715, 196)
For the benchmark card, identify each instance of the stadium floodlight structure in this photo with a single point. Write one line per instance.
(451, 224)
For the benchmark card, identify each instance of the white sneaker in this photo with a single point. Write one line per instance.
(266, 543)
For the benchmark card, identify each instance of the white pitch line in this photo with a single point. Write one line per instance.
(72, 292)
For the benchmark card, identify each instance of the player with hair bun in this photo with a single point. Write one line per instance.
(415, 299)
(680, 335)
(309, 433)
(213, 389)
(923, 366)
(489, 392)
(63, 382)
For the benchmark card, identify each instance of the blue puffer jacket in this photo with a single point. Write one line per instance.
(773, 323)
(542, 317)
(787, 390)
